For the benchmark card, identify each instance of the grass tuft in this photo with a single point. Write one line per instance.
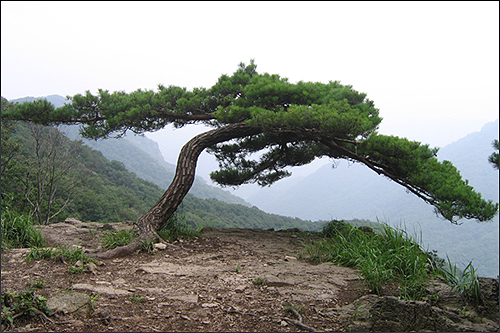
(18, 231)
(176, 228)
(391, 256)
(464, 281)
(113, 239)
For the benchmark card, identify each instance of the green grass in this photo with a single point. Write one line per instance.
(464, 281)
(70, 256)
(136, 298)
(18, 231)
(36, 284)
(388, 256)
(112, 239)
(176, 227)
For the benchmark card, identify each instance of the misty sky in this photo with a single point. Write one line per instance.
(432, 68)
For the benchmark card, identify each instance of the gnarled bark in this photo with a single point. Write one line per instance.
(150, 223)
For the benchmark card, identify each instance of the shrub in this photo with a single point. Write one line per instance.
(334, 228)
(22, 304)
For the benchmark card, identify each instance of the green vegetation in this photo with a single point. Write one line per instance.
(136, 298)
(259, 281)
(77, 259)
(493, 158)
(177, 227)
(37, 253)
(390, 256)
(387, 255)
(104, 190)
(464, 281)
(292, 307)
(112, 239)
(110, 193)
(22, 304)
(18, 230)
(36, 284)
(199, 213)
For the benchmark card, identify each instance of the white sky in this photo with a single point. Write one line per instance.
(432, 68)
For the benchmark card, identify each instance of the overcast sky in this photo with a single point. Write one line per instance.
(431, 68)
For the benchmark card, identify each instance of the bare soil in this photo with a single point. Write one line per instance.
(225, 280)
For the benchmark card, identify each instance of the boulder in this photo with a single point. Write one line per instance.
(74, 303)
(372, 313)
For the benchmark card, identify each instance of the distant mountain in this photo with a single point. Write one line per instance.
(141, 156)
(56, 100)
(351, 191)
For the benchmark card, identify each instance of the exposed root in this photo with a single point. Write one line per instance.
(120, 251)
(126, 250)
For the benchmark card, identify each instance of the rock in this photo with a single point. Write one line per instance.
(108, 226)
(390, 314)
(489, 296)
(106, 283)
(160, 246)
(92, 267)
(209, 305)
(78, 303)
(240, 289)
(101, 289)
(75, 222)
(443, 295)
(119, 281)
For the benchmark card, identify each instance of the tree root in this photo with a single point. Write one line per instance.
(120, 251)
(126, 250)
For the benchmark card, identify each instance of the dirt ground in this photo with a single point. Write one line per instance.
(226, 280)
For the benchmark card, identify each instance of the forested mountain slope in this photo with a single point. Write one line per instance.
(141, 156)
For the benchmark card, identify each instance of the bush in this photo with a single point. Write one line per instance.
(334, 228)
(18, 231)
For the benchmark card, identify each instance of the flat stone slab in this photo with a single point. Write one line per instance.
(70, 303)
(109, 290)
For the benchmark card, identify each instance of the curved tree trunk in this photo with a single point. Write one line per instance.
(150, 223)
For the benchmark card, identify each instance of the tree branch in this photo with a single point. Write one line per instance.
(378, 168)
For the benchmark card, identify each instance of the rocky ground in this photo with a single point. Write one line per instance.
(226, 280)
